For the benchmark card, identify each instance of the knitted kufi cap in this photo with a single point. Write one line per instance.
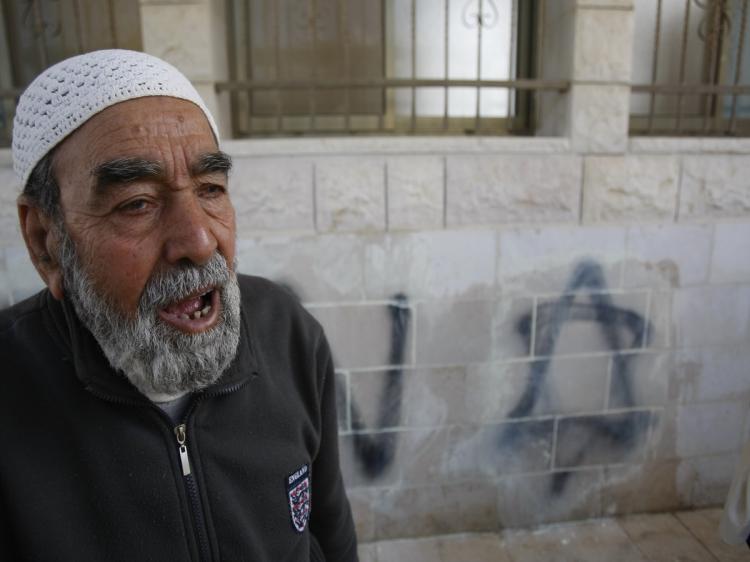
(66, 95)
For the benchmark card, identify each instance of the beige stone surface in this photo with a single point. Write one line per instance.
(565, 327)
(10, 233)
(415, 192)
(599, 116)
(707, 375)
(431, 397)
(603, 40)
(544, 260)
(360, 335)
(318, 268)
(570, 385)
(487, 451)
(647, 377)
(501, 189)
(593, 541)
(479, 547)
(630, 188)
(164, 29)
(453, 332)
(663, 537)
(668, 255)
(512, 327)
(528, 500)
(272, 195)
(430, 510)
(704, 525)
(350, 194)
(730, 261)
(432, 264)
(710, 428)
(704, 481)
(713, 315)
(648, 487)
(714, 186)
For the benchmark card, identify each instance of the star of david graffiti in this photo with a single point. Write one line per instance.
(622, 329)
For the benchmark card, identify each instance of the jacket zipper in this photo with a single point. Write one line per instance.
(192, 491)
(191, 486)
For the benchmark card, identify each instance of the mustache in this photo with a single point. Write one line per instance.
(179, 282)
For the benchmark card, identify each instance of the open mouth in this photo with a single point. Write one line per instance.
(193, 314)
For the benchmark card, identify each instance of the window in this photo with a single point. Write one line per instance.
(375, 66)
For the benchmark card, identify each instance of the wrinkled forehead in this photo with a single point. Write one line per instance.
(166, 135)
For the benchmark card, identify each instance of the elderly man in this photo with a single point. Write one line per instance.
(154, 404)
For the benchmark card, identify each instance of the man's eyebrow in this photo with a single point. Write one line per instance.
(125, 170)
(212, 162)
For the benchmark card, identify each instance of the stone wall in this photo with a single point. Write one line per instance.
(525, 329)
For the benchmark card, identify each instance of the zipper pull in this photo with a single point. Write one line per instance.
(179, 432)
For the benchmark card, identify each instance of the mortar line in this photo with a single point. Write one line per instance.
(681, 160)
(445, 192)
(385, 195)
(315, 196)
(697, 538)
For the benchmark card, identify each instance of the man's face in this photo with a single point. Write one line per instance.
(142, 192)
(147, 246)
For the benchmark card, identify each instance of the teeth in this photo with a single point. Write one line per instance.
(184, 316)
(197, 314)
(206, 310)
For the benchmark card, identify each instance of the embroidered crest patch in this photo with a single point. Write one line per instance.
(298, 492)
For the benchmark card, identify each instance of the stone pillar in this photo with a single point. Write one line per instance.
(191, 35)
(601, 72)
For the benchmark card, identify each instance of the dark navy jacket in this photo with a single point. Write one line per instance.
(91, 469)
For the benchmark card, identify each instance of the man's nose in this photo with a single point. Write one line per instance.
(188, 232)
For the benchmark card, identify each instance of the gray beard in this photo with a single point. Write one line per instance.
(155, 357)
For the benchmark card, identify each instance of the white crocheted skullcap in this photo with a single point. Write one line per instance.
(69, 93)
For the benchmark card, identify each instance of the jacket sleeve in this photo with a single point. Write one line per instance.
(331, 519)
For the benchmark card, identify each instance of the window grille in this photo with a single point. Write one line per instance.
(384, 66)
(690, 68)
(35, 34)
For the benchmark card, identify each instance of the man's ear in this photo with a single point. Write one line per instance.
(40, 234)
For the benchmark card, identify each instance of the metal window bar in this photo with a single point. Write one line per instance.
(38, 33)
(343, 102)
(705, 97)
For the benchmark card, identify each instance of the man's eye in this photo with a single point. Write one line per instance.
(134, 206)
(212, 190)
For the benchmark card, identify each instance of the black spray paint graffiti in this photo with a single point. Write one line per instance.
(376, 452)
(622, 330)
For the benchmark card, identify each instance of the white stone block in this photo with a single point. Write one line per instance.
(272, 194)
(415, 192)
(317, 268)
(497, 189)
(10, 233)
(350, 194)
(635, 188)
(715, 186)
(667, 255)
(181, 35)
(731, 255)
(453, 332)
(432, 265)
(718, 315)
(704, 429)
(600, 117)
(543, 260)
(703, 375)
(603, 45)
(704, 481)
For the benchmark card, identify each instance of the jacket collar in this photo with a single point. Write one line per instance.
(97, 375)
